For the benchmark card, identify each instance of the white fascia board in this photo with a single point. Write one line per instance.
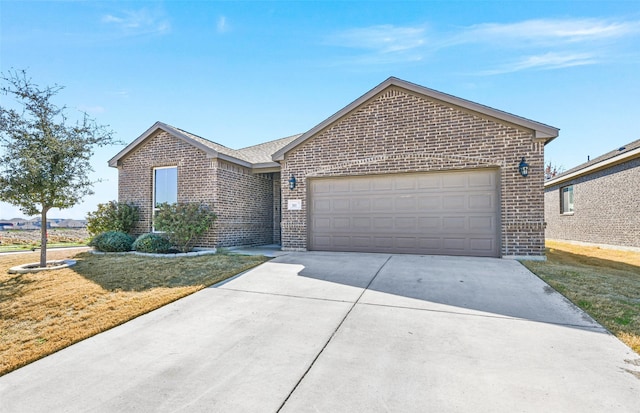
(596, 166)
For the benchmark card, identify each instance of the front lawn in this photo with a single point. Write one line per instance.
(605, 283)
(44, 312)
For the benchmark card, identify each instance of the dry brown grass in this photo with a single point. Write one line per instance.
(603, 282)
(44, 312)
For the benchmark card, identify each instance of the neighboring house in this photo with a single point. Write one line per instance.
(597, 202)
(402, 169)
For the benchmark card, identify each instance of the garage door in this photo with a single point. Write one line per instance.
(449, 213)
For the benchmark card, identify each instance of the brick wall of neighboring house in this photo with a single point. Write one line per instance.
(398, 131)
(244, 206)
(606, 207)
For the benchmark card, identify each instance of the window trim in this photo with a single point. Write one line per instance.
(570, 208)
(153, 191)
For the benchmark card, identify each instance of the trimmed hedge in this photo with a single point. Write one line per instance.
(152, 243)
(112, 241)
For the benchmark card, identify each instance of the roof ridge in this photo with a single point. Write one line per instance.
(605, 156)
(271, 141)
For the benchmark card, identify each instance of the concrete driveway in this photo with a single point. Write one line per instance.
(346, 332)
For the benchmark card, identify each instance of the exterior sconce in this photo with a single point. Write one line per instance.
(292, 183)
(523, 168)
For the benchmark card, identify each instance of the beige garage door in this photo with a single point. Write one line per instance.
(449, 213)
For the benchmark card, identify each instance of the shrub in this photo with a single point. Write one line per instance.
(112, 216)
(183, 223)
(152, 243)
(112, 241)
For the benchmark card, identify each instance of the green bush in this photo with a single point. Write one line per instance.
(112, 241)
(183, 223)
(152, 243)
(112, 216)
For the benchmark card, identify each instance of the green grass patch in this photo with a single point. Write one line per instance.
(608, 290)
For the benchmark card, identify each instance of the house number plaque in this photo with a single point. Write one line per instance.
(294, 204)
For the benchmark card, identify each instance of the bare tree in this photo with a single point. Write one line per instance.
(551, 170)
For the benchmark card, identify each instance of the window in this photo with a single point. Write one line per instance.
(165, 186)
(566, 199)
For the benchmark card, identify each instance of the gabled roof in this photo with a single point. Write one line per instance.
(542, 131)
(615, 157)
(257, 156)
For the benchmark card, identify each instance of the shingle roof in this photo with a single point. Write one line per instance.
(260, 153)
(614, 157)
(609, 155)
(256, 156)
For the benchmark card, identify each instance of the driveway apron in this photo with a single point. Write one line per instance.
(346, 332)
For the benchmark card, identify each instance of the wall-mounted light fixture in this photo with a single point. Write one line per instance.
(523, 168)
(292, 183)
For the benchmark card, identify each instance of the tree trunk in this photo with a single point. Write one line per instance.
(43, 239)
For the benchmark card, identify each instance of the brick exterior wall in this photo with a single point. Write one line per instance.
(244, 206)
(398, 131)
(606, 207)
(242, 201)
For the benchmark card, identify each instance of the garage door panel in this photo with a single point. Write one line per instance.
(482, 202)
(361, 242)
(405, 223)
(362, 223)
(322, 205)
(482, 180)
(451, 224)
(454, 202)
(481, 223)
(481, 244)
(454, 181)
(382, 223)
(383, 243)
(382, 204)
(405, 182)
(361, 205)
(431, 224)
(430, 203)
(320, 224)
(341, 205)
(405, 203)
(429, 182)
(454, 213)
(382, 185)
(361, 185)
(454, 244)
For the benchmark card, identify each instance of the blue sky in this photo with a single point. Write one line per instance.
(241, 73)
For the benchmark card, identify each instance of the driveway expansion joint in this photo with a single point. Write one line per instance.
(288, 295)
(333, 334)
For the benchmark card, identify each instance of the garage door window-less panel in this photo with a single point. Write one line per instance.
(449, 213)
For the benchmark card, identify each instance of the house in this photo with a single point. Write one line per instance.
(402, 169)
(597, 202)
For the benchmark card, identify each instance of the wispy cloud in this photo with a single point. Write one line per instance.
(222, 26)
(549, 31)
(537, 44)
(545, 61)
(383, 43)
(384, 38)
(139, 22)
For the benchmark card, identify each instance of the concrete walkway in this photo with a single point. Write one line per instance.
(343, 332)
